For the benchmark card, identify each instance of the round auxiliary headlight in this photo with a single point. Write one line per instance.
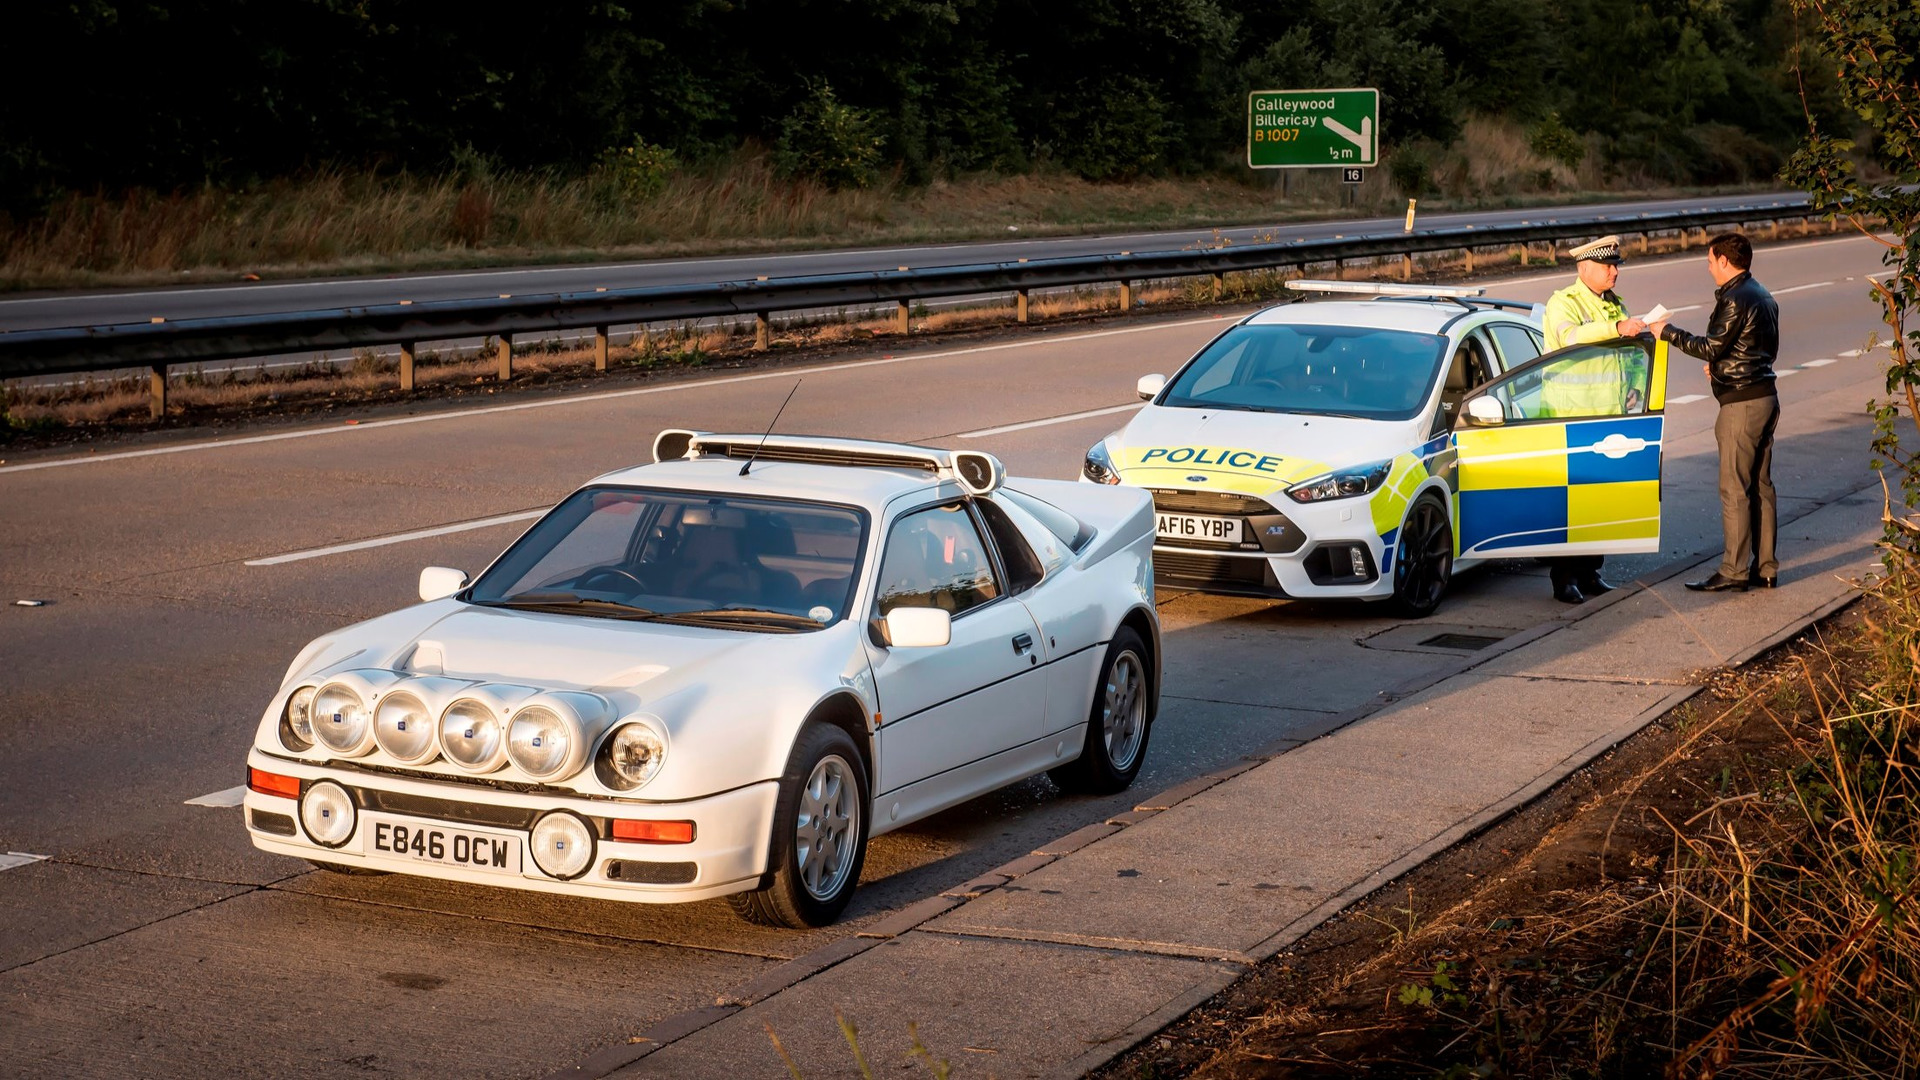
(404, 728)
(632, 756)
(296, 721)
(340, 720)
(471, 736)
(562, 845)
(540, 741)
(326, 812)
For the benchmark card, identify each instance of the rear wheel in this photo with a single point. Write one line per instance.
(1422, 559)
(1124, 703)
(819, 835)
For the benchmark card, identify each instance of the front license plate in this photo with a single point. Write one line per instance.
(1198, 527)
(426, 842)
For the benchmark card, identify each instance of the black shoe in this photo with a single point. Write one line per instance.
(1758, 580)
(1718, 583)
(1568, 593)
(1594, 585)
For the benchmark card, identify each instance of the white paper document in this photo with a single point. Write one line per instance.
(1659, 312)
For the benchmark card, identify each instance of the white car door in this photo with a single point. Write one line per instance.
(947, 708)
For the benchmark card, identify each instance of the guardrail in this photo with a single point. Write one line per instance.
(158, 345)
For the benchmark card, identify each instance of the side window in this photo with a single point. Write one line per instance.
(935, 558)
(1517, 344)
(1024, 570)
(1586, 380)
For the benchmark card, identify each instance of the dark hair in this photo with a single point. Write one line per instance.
(1735, 248)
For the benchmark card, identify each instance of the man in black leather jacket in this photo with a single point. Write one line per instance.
(1742, 339)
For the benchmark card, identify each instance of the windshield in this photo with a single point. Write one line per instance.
(1325, 370)
(621, 553)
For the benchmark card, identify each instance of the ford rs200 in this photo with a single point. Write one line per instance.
(722, 674)
(1365, 448)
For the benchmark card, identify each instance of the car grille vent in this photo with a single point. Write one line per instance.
(427, 806)
(1208, 502)
(651, 873)
(267, 821)
(1184, 569)
(807, 455)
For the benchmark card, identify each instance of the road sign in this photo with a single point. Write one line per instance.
(1304, 129)
(1353, 175)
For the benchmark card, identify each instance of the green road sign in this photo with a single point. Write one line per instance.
(1305, 129)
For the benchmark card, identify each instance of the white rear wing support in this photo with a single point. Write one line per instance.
(977, 473)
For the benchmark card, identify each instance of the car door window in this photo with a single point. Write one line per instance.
(1607, 379)
(935, 558)
(1470, 368)
(1023, 567)
(1516, 343)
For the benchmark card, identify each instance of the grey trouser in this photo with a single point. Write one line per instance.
(1744, 431)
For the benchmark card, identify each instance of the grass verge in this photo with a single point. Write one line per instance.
(1732, 892)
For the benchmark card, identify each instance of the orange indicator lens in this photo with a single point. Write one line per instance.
(266, 783)
(654, 832)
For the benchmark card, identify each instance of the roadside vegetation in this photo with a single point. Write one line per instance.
(329, 136)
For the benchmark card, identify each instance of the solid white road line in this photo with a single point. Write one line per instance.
(397, 538)
(1818, 363)
(1686, 399)
(1798, 288)
(1067, 419)
(232, 796)
(610, 395)
(11, 859)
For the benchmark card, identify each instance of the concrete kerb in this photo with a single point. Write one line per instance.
(790, 974)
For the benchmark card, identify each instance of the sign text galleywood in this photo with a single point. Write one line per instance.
(1301, 129)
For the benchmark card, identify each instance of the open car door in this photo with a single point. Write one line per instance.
(1561, 456)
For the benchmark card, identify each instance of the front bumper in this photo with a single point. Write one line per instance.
(1304, 552)
(728, 854)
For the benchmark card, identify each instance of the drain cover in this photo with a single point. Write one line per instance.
(1463, 642)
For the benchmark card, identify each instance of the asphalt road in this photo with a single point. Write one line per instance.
(96, 308)
(154, 941)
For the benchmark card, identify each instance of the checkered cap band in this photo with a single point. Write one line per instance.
(1606, 249)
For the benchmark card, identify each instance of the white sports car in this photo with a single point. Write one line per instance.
(721, 674)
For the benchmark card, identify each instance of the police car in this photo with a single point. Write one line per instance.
(1365, 447)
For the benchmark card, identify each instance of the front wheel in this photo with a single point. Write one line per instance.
(1124, 703)
(1422, 559)
(819, 835)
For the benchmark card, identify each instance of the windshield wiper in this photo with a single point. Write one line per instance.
(561, 600)
(765, 616)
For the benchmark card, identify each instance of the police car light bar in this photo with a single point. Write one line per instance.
(1370, 288)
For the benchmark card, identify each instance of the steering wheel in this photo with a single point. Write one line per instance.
(1267, 381)
(601, 573)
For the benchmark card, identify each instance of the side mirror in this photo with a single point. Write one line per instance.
(918, 627)
(1149, 386)
(438, 582)
(1484, 411)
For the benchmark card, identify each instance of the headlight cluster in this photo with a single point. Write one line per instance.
(547, 736)
(1098, 467)
(1346, 483)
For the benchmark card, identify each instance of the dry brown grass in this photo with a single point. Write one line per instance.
(344, 222)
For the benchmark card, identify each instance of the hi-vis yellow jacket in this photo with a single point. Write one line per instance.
(1595, 386)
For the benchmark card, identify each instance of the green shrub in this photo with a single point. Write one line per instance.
(823, 139)
(1115, 129)
(639, 171)
(1553, 139)
(1412, 172)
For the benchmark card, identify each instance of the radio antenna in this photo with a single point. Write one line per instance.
(776, 419)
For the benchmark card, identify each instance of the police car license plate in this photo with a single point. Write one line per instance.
(419, 841)
(1198, 527)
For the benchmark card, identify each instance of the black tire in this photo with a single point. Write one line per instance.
(1422, 559)
(1125, 701)
(350, 871)
(796, 892)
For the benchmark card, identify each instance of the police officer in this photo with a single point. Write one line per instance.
(1586, 311)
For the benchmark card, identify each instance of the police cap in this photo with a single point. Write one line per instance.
(1604, 250)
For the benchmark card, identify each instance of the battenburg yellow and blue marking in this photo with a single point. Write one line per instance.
(1574, 481)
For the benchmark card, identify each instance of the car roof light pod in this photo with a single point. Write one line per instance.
(473, 727)
(343, 710)
(550, 734)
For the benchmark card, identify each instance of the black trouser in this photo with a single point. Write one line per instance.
(1744, 430)
(1574, 568)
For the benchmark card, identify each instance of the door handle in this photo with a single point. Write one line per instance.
(1022, 643)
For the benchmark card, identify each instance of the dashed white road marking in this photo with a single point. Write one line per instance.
(11, 859)
(1686, 399)
(611, 395)
(1823, 362)
(232, 796)
(397, 538)
(1852, 352)
(1067, 419)
(1799, 288)
(1785, 373)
